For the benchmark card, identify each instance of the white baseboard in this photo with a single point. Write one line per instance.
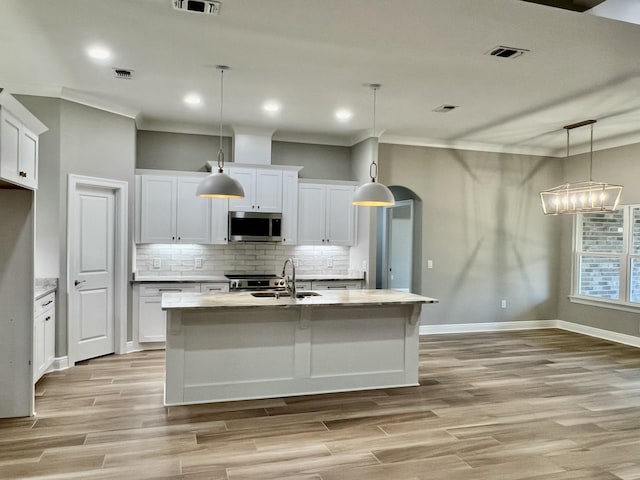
(531, 325)
(486, 327)
(599, 333)
(60, 363)
(139, 347)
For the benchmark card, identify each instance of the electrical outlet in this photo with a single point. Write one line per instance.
(296, 262)
(503, 303)
(329, 262)
(199, 261)
(364, 265)
(157, 262)
(429, 263)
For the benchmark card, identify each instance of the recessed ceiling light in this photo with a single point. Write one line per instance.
(271, 106)
(192, 99)
(98, 52)
(344, 115)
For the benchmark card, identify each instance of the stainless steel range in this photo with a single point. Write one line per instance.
(254, 281)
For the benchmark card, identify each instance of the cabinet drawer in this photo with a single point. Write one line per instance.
(336, 285)
(149, 290)
(213, 287)
(303, 285)
(45, 303)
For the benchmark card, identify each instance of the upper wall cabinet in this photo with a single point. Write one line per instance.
(170, 212)
(262, 189)
(290, 207)
(325, 214)
(19, 131)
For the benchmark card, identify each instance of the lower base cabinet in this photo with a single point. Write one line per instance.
(152, 320)
(44, 329)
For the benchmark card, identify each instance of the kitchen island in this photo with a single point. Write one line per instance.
(235, 346)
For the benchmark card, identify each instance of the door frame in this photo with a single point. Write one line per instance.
(386, 242)
(121, 220)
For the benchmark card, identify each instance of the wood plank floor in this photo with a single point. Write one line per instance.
(542, 404)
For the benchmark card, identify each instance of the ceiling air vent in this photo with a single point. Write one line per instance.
(445, 108)
(123, 73)
(210, 7)
(506, 52)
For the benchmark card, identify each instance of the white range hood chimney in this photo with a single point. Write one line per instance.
(252, 145)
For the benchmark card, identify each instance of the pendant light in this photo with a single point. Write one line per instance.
(581, 197)
(219, 184)
(373, 194)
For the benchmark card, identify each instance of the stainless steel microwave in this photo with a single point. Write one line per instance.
(255, 227)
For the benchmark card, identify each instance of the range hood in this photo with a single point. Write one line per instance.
(252, 145)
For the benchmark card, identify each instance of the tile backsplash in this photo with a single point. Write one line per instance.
(256, 257)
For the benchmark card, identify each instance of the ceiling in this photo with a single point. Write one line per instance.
(316, 56)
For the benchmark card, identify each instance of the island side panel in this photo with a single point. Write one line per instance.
(222, 354)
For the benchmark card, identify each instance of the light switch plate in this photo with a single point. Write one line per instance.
(198, 262)
(157, 262)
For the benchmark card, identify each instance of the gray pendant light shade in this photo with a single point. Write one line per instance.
(219, 184)
(373, 194)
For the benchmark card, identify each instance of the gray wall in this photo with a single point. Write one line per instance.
(619, 166)
(81, 141)
(181, 151)
(47, 262)
(484, 230)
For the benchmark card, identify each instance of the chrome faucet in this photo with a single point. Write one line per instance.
(290, 282)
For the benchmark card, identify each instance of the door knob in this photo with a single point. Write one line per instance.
(78, 282)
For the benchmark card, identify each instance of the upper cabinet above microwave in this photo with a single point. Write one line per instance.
(19, 131)
(262, 189)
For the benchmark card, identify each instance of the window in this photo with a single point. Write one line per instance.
(607, 256)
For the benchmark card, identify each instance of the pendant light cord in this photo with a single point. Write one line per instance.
(220, 150)
(373, 168)
(591, 156)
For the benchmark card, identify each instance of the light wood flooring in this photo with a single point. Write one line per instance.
(545, 405)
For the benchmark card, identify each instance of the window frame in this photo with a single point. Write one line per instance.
(625, 257)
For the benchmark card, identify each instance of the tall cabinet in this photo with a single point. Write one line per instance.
(19, 131)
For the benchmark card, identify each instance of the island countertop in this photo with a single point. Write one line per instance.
(171, 301)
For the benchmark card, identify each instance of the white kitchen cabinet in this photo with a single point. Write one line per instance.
(336, 285)
(262, 189)
(290, 207)
(18, 151)
(219, 221)
(170, 211)
(151, 319)
(44, 327)
(213, 287)
(325, 214)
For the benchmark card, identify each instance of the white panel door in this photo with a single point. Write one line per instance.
(340, 215)
(311, 214)
(193, 217)
(158, 209)
(91, 273)
(268, 190)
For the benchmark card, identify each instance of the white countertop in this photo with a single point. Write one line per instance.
(172, 301)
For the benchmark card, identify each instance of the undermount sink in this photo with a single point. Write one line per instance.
(276, 295)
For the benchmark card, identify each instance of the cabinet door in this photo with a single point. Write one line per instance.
(290, 207)
(38, 346)
(10, 142)
(247, 178)
(193, 214)
(157, 209)
(28, 162)
(219, 220)
(152, 320)
(340, 215)
(311, 214)
(268, 190)
(49, 339)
